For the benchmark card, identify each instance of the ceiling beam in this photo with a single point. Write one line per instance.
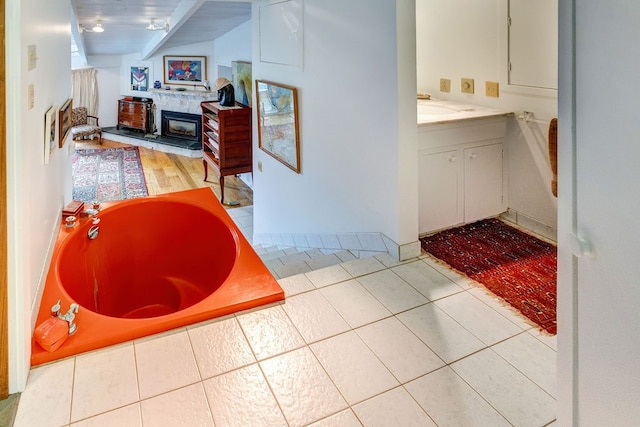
(178, 18)
(77, 36)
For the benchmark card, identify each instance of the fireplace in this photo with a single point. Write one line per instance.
(181, 125)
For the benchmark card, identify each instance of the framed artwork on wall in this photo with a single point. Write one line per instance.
(50, 132)
(139, 78)
(278, 122)
(64, 121)
(184, 70)
(241, 79)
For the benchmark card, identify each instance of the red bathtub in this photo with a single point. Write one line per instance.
(158, 263)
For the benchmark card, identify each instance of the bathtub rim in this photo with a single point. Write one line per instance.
(108, 208)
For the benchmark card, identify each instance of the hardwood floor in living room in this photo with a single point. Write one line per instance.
(167, 173)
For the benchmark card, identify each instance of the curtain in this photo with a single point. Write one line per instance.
(85, 89)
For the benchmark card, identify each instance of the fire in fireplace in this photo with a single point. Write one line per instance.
(181, 125)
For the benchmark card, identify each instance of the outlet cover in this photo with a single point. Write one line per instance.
(492, 89)
(445, 85)
(31, 96)
(466, 85)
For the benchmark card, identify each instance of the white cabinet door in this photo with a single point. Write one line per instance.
(482, 182)
(439, 201)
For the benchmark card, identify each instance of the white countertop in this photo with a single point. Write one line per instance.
(435, 111)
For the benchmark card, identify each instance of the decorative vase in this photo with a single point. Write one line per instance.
(157, 84)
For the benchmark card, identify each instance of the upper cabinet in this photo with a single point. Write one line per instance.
(533, 43)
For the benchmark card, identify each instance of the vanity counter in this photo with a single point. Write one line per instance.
(434, 111)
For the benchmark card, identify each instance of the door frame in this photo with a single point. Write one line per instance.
(4, 284)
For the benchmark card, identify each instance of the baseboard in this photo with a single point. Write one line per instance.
(531, 224)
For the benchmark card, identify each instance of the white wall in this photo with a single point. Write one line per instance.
(467, 38)
(36, 191)
(233, 46)
(357, 155)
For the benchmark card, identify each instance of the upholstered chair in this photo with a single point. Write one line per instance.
(84, 125)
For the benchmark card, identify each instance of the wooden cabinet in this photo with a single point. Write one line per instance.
(136, 115)
(459, 185)
(226, 140)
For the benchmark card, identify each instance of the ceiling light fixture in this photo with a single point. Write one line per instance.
(97, 28)
(158, 25)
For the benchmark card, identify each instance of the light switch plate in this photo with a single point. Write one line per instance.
(466, 85)
(492, 89)
(445, 85)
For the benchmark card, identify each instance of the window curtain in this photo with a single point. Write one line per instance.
(85, 89)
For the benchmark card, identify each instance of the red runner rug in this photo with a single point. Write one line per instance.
(513, 265)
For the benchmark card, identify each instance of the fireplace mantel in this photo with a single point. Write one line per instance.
(187, 101)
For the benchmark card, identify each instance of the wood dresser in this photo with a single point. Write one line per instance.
(136, 114)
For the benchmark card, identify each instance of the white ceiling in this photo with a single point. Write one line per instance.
(125, 22)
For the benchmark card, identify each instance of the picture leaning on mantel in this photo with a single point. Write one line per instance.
(241, 79)
(278, 122)
(184, 70)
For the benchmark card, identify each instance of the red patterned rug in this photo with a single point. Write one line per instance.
(514, 265)
(106, 174)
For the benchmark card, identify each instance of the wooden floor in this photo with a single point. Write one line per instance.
(166, 173)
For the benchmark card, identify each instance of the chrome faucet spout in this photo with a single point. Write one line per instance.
(92, 233)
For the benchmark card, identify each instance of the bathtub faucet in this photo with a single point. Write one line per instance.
(68, 317)
(93, 212)
(92, 233)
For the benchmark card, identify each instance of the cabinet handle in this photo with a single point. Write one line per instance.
(472, 156)
(452, 159)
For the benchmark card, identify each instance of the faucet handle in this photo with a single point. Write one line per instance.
(73, 308)
(55, 309)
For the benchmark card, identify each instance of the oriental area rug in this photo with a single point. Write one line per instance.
(513, 265)
(107, 174)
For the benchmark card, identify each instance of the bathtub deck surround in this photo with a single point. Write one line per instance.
(190, 264)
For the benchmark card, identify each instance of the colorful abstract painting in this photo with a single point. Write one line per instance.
(185, 69)
(139, 78)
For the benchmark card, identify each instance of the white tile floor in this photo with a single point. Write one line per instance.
(367, 342)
